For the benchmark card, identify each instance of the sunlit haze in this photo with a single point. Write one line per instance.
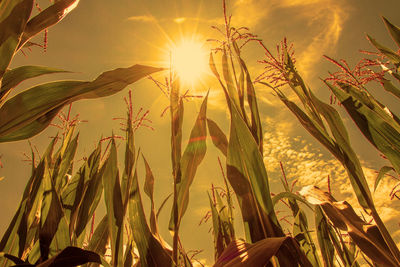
(189, 60)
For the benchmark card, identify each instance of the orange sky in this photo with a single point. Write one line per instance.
(102, 35)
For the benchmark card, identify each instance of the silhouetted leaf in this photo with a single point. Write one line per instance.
(217, 136)
(31, 111)
(15, 76)
(114, 205)
(14, 15)
(191, 159)
(365, 235)
(239, 253)
(46, 18)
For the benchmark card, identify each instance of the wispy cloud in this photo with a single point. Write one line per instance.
(249, 13)
(142, 18)
(324, 20)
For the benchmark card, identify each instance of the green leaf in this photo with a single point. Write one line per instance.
(322, 229)
(393, 30)
(149, 189)
(248, 177)
(14, 15)
(151, 251)
(222, 228)
(46, 18)
(215, 72)
(15, 76)
(176, 110)
(114, 204)
(231, 90)
(389, 86)
(191, 159)
(302, 234)
(64, 160)
(98, 242)
(217, 136)
(367, 236)
(389, 53)
(290, 196)
(336, 140)
(256, 126)
(15, 238)
(381, 174)
(53, 229)
(374, 120)
(31, 111)
(82, 195)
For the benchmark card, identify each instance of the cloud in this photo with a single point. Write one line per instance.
(315, 24)
(180, 20)
(242, 8)
(311, 165)
(142, 18)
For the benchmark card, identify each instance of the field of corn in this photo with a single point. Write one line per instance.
(61, 220)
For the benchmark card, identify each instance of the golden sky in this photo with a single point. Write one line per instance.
(102, 35)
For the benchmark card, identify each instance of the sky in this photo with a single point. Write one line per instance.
(102, 35)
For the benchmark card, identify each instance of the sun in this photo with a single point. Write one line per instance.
(189, 61)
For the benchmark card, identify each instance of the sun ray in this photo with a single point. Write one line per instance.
(189, 60)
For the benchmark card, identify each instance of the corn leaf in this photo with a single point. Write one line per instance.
(393, 30)
(239, 253)
(301, 230)
(248, 177)
(14, 15)
(325, 244)
(389, 86)
(114, 204)
(46, 18)
(82, 195)
(376, 123)
(53, 229)
(365, 235)
(15, 238)
(70, 257)
(88, 205)
(290, 196)
(149, 189)
(381, 174)
(256, 126)
(191, 159)
(151, 252)
(31, 111)
(12, 258)
(231, 90)
(15, 76)
(389, 53)
(336, 141)
(63, 160)
(217, 136)
(215, 72)
(98, 242)
(222, 227)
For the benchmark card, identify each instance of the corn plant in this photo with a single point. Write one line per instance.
(246, 172)
(31, 111)
(377, 123)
